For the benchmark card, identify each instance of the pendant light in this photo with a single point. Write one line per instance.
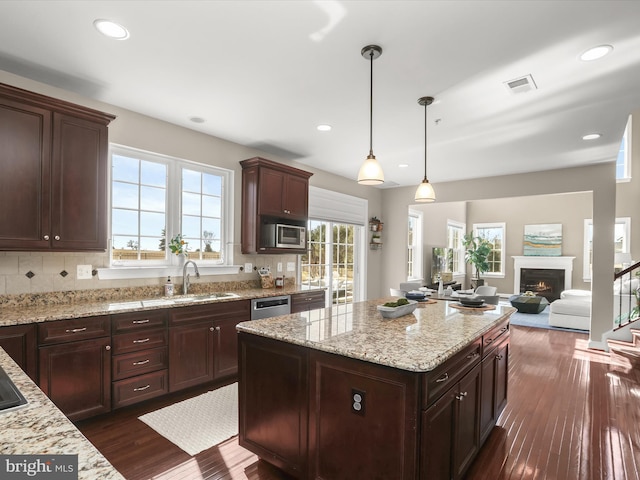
(371, 172)
(425, 192)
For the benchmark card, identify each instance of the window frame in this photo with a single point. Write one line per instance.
(627, 148)
(503, 227)
(588, 239)
(452, 224)
(416, 259)
(171, 264)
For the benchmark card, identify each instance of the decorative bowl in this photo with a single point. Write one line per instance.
(415, 295)
(395, 312)
(471, 302)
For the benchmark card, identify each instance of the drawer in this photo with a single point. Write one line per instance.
(140, 388)
(136, 341)
(63, 331)
(129, 322)
(137, 363)
(438, 381)
(240, 309)
(493, 337)
(301, 302)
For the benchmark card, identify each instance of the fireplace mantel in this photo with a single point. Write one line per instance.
(552, 263)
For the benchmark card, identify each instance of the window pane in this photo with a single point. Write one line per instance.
(152, 198)
(124, 222)
(190, 227)
(151, 224)
(124, 168)
(211, 206)
(124, 195)
(190, 204)
(211, 228)
(212, 185)
(191, 181)
(153, 174)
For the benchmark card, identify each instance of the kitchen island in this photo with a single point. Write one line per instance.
(342, 393)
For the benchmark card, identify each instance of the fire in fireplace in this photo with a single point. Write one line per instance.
(545, 282)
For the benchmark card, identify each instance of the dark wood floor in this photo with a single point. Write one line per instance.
(572, 414)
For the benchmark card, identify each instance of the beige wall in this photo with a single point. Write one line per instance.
(139, 131)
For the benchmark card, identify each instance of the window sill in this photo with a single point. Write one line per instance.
(125, 273)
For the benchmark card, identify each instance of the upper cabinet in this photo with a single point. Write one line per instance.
(53, 181)
(271, 193)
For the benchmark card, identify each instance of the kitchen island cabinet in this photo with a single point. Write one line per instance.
(365, 397)
(19, 341)
(57, 155)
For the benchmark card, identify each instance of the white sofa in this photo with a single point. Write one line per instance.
(573, 308)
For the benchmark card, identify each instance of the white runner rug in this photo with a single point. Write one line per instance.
(199, 423)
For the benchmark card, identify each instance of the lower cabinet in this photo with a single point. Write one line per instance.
(302, 302)
(19, 341)
(76, 376)
(190, 355)
(495, 366)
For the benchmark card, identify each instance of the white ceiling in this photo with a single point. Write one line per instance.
(265, 73)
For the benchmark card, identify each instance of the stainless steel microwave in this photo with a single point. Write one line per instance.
(278, 235)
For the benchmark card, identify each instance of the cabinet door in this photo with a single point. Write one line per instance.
(79, 185)
(467, 422)
(226, 348)
(190, 355)
(296, 202)
(487, 396)
(436, 455)
(25, 149)
(502, 375)
(302, 302)
(19, 341)
(272, 184)
(76, 376)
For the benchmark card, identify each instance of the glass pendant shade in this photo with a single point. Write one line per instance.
(370, 172)
(425, 192)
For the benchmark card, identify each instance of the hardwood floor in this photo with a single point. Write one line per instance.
(572, 414)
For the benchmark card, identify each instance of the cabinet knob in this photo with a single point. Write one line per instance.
(46, 237)
(498, 357)
(461, 396)
(287, 211)
(217, 329)
(57, 237)
(211, 329)
(108, 347)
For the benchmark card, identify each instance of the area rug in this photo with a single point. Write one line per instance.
(538, 320)
(199, 423)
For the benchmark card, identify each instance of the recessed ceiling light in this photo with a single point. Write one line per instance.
(402, 165)
(324, 128)
(592, 136)
(197, 119)
(596, 53)
(111, 29)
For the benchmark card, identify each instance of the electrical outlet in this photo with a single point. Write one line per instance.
(357, 401)
(279, 268)
(84, 272)
(291, 266)
(248, 267)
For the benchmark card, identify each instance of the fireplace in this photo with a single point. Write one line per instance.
(546, 282)
(554, 272)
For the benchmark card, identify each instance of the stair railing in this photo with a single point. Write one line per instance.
(626, 288)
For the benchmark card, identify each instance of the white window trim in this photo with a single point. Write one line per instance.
(586, 266)
(131, 270)
(502, 225)
(418, 265)
(627, 150)
(461, 261)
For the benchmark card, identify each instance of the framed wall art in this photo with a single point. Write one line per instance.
(544, 240)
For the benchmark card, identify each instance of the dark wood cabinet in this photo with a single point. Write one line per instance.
(203, 344)
(75, 371)
(19, 341)
(271, 193)
(494, 386)
(53, 156)
(305, 301)
(140, 356)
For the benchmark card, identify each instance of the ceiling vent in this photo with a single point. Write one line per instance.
(521, 85)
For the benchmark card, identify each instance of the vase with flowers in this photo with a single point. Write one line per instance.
(179, 247)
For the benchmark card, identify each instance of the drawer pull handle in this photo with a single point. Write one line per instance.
(472, 355)
(142, 340)
(140, 389)
(461, 396)
(504, 329)
(138, 322)
(443, 378)
(76, 330)
(142, 362)
(488, 341)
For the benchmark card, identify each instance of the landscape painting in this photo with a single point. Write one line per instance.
(543, 240)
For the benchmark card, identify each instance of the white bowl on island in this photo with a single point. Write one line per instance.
(399, 311)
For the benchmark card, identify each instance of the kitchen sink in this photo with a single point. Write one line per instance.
(10, 396)
(203, 297)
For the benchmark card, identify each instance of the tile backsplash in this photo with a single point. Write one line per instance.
(43, 272)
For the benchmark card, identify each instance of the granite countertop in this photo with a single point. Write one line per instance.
(40, 428)
(417, 342)
(45, 312)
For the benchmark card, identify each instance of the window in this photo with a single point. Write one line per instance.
(622, 239)
(154, 198)
(623, 162)
(495, 234)
(414, 246)
(455, 232)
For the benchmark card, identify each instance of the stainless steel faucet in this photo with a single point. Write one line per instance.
(185, 276)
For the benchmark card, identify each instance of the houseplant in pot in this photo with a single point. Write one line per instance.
(477, 251)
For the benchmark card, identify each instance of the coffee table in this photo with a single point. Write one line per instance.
(528, 303)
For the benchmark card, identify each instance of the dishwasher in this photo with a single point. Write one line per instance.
(270, 307)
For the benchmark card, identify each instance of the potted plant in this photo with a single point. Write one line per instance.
(477, 251)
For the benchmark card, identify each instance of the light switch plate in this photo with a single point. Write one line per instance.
(291, 266)
(248, 267)
(84, 272)
(279, 268)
